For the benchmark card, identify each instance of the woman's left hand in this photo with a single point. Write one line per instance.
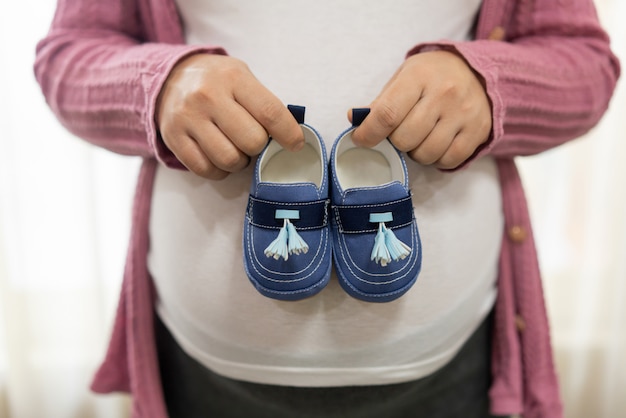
(434, 108)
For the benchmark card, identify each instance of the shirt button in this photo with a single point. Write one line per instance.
(497, 34)
(520, 324)
(517, 234)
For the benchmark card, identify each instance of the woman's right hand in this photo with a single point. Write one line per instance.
(213, 114)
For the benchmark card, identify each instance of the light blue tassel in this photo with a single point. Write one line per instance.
(295, 242)
(278, 247)
(387, 246)
(380, 253)
(397, 249)
(288, 242)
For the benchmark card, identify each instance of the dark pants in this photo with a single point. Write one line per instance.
(458, 390)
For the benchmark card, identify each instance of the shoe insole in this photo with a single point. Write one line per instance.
(293, 167)
(362, 167)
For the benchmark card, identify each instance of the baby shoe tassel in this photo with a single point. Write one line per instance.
(387, 246)
(296, 244)
(380, 253)
(288, 242)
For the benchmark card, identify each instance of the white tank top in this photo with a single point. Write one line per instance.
(328, 56)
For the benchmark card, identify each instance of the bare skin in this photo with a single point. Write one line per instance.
(213, 114)
(434, 108)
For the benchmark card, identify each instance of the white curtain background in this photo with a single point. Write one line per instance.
(64, 223)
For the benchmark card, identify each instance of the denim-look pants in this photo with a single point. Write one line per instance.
(458, 390)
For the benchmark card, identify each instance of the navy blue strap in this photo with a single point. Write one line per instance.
(356, 218)
(311, 215)
(359, 114)
(297, 112)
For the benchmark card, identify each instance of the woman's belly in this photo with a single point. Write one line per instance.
(219, 318)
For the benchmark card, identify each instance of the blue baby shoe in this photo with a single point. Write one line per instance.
(376, 244)
(286, 238)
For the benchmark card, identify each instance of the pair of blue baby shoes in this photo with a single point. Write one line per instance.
(298, 219)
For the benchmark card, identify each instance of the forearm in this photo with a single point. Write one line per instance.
(101, 79)
(547, 84)
(104, 91)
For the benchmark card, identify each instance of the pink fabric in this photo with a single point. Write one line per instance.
(549, 80)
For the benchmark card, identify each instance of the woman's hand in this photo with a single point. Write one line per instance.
(434, 108)
(213, 114)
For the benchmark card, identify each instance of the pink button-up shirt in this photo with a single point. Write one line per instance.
(547, 69)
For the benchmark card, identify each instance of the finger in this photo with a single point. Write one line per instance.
(271, 113)
(219, 149)
(416, 127)
(391, 80)
(457, 153)
(387, 112)
(436, 143)
(241, 128)
(191, 155)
